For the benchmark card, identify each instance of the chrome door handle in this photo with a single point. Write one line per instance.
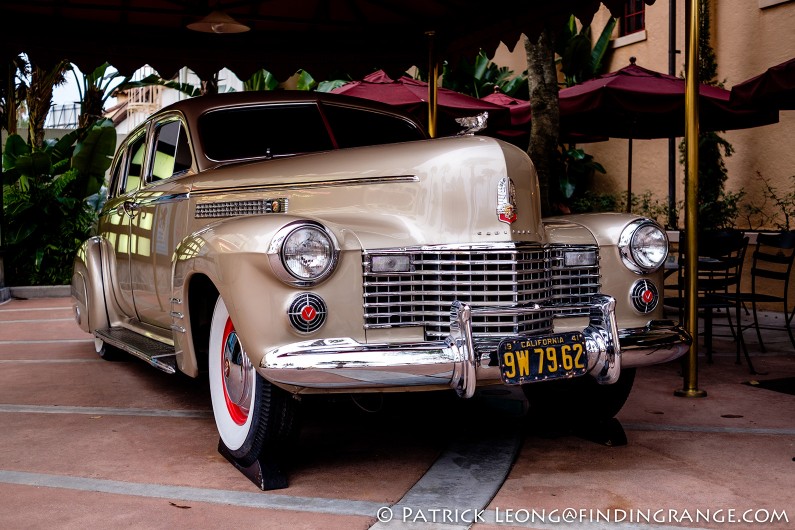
(129, 208)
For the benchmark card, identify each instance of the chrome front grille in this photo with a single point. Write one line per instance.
(503, 275)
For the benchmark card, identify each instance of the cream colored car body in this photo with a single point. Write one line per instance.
(162, 250)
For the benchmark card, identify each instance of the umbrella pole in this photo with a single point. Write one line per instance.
(690, 379)
(629, 177)
(433, 81)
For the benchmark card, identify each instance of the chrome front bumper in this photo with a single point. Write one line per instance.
(344, 363)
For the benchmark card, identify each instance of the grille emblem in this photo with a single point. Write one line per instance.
(506, 201)
(644, 296)
(307, 312)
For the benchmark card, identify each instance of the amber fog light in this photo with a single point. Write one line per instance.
(644, 296)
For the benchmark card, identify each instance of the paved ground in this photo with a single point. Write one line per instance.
(86, 443)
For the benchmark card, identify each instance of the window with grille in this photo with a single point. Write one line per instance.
(634, 19)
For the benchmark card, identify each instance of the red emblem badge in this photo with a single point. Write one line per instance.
(647, 296)
(506, 201)
(308, 313)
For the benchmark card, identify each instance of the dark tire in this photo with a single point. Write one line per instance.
(577, 401)
(252, 415)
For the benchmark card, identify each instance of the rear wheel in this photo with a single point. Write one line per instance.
(580, 401)
(252, 415)
(106, 351)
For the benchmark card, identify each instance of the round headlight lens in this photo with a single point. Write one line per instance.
(649, 247)
(308, 253)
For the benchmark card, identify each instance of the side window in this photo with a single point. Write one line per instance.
(634, 19)
(135, 164)
(172, 152)
(115, 174)
(354, 127)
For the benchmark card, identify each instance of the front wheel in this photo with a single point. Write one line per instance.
(581, 400)
(252, 415)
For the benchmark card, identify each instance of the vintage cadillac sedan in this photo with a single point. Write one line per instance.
(294, 243)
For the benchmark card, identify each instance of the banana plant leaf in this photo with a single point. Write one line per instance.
(93, 156)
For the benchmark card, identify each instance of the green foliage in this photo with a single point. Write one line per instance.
(261, 80)
(328, 86)
(480, 78)
(304, 81)
(13, 91)
(780, 214)
(95, 89)
(579, 62)
(156, 80)
(579, 168)
(717, 208)
(50, 201)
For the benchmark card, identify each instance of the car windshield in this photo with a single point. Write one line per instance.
(272, 131)
(263, 132)
(355, 127)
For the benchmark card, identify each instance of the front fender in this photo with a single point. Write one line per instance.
(232, 254)
(616, 278)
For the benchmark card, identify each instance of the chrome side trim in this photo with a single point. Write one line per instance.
(161, 199)
(336, 183)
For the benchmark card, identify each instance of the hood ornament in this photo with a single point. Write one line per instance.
(506, 201)
(472, 124)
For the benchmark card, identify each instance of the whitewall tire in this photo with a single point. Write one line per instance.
(251, 415)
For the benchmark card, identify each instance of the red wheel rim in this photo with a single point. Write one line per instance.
(236, 412)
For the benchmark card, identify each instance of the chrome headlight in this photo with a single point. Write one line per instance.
(643, 246)
(303, 253)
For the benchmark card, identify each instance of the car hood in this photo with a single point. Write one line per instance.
(442, 191)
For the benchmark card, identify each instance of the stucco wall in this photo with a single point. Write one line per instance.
(747, 39)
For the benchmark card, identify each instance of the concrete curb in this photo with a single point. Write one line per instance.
(35, 291)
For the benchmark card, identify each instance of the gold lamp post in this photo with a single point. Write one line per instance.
(433, 82)
(690, 382)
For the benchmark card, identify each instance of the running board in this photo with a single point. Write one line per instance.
(159, 355)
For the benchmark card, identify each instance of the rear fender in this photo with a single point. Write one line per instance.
(89, 285)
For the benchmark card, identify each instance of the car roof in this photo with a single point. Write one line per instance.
(194, 107)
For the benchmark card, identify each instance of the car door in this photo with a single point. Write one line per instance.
(114, 222)
(158, 219)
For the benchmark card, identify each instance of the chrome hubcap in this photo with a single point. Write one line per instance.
(237, 372)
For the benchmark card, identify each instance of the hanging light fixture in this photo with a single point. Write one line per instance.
(218, 22)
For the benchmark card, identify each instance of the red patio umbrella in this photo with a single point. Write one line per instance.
(519, 108)
(411, 95)
(774, 88)
(518, 132)
(634, 102)
(521, 115)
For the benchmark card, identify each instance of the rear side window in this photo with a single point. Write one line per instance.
(354, 127)
(263, 132)
(135, 163)
(172, 151)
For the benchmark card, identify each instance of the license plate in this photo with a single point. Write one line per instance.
(531, 359)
